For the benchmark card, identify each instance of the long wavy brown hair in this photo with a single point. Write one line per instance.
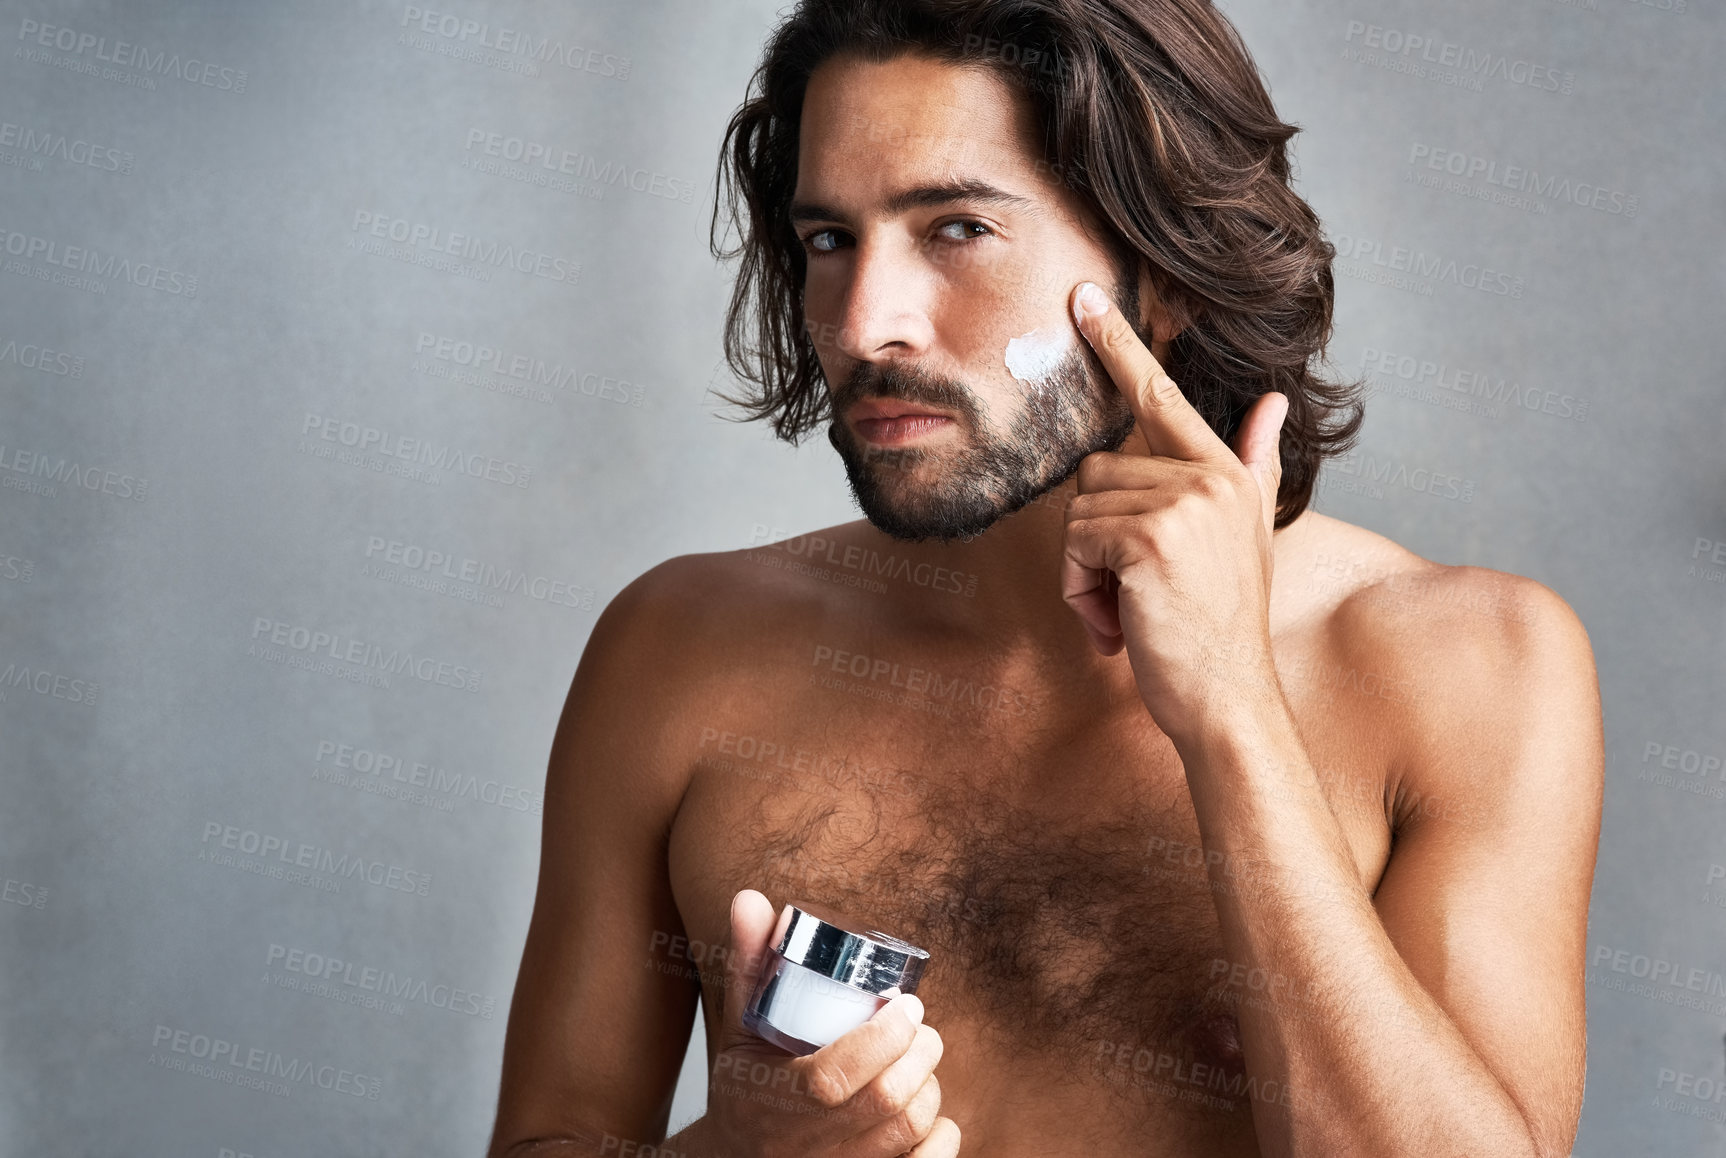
(1153, 113)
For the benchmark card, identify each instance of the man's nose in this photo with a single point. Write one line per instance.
(885, 312)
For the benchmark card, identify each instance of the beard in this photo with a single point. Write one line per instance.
(914, 493)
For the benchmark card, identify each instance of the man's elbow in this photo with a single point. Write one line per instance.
(1552, 1141)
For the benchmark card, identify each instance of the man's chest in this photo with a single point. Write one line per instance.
(1053, 870)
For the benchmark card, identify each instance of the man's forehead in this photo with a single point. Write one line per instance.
(909, 120)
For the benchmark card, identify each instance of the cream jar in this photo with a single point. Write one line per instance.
(823, 976)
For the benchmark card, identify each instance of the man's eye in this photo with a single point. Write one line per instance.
(822, 241)
(963, 230)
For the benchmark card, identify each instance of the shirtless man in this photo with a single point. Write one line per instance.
(1231, 828)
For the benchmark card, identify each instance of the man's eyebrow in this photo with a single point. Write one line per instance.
(969, 189)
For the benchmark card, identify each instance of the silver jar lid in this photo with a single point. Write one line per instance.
(866, 959)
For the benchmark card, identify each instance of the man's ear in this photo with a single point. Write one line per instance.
(1162, 313)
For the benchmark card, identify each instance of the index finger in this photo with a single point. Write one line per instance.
(1172, 427)
(857, 1057)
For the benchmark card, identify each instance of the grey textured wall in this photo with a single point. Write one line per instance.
(270, 699)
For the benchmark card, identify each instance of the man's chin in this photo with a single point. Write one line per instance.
(921, 528)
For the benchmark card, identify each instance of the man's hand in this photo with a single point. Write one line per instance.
(872, 1093)
(1169, 554)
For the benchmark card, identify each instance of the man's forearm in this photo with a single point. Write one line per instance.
(1372, 1065)
(690, 1142)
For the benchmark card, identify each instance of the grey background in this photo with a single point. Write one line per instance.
(116, 923)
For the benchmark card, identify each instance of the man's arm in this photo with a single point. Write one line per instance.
(1449, 1020)
(596, 1037)
(1444, 1014)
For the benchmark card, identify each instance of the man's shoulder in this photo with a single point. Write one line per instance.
(697, 641)
(1485, 661)
(1442, 613)
(751, 579)
(703, 606)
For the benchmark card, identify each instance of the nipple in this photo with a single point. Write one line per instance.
(1217, 1041)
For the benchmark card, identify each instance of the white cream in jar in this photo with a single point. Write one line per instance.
(823, 977)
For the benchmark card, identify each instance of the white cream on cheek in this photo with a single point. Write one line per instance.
(1033, 356)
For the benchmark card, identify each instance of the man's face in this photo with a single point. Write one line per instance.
(940, 263)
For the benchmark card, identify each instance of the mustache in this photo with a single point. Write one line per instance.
(905, 384)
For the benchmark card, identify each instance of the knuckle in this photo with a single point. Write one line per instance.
(1156, 536)
(826, 1083)
(1089, 468)
(1116, 336)
(891, 1094)
(925, 1109)
(898, 1135)
(1215, 486)
(908, 1128)
(1193, 503)
(1163, 389)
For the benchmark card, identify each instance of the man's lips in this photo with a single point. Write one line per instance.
(871, 408)
(888, 422)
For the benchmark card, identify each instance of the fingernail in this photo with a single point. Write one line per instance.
(1089, 302)
(913, 1008)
